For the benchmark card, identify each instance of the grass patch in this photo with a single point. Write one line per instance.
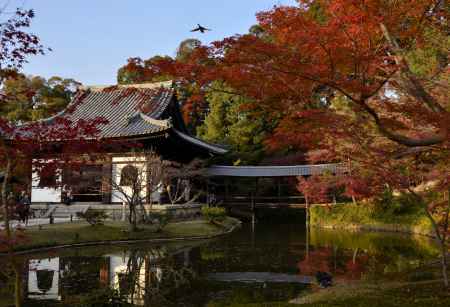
(399, 215)
(380, 295)
(82, 232)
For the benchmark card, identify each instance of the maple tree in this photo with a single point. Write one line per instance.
(361, 82)
(51, 143)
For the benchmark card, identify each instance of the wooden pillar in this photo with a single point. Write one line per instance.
(106, 180)
(254, 195)
(252, 200)
(65, 180)
(148, 188)
(279, 189)
(226, 189)
(207, 193)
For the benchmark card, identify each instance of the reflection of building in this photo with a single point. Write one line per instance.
(131, 274)
(43, 279)
(131, 277)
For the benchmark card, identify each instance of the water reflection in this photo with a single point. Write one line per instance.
(137, 277)
(43, 279)
(177, 275)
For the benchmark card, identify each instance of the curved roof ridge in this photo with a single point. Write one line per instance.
(212, 147)
(145, 86)
(164, 123)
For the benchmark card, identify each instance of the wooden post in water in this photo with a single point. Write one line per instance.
(252, 196)
(226, 189)
(307, 211)
(279, 189)
(208, 203)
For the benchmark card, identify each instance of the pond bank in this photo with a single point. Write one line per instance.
(368, 217)
(382, 294)
(76, 234)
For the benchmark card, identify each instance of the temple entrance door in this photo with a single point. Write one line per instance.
(85, 183)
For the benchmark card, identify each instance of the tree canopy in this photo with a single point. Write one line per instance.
(34, 98)
(360, 82)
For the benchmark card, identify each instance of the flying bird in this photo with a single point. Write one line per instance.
(200, 29)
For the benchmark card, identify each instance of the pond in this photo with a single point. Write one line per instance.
(269, 262)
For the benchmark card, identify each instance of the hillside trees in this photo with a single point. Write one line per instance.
(363, 82)
(33, 98)
(228, 122)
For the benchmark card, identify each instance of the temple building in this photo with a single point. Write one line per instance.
(148, 114)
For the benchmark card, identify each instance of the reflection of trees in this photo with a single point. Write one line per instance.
(352, 256)
(11, 286)
(372, 254)
(343, 264)
(80, 275)
(151, 283)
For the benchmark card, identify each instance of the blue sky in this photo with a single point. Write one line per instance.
(91, 39)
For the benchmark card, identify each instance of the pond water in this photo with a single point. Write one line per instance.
(266, 263)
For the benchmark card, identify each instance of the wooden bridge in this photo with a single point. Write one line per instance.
(275, 171)
(263, 186)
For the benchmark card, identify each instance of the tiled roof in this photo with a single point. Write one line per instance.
(129, 110)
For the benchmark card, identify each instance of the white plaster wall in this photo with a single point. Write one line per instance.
(44, 195)
(118, 165)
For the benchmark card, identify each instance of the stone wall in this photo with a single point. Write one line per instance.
(119, 212)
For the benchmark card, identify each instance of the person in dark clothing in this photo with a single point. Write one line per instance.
(24, 209)
(67, 195)
(324, 279)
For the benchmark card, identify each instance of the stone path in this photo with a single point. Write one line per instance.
(36, 222)
(260, 277)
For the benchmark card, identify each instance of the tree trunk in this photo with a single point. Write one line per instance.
(442, 238)
(132, 217)
(444, 249)
(444, 264)
(442, 242)
(4, 198)
(17, 286)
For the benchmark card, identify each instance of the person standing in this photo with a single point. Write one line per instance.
(67, 194)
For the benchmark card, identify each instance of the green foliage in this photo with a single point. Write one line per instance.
(93, 217)
(33, 98)
(214, 214)
(229, 122)
(431, 54)
(389, 205)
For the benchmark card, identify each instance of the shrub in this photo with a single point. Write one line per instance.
(162, 219)
(421, 276)
(93, 217)
(390, 205)
(214, 214)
